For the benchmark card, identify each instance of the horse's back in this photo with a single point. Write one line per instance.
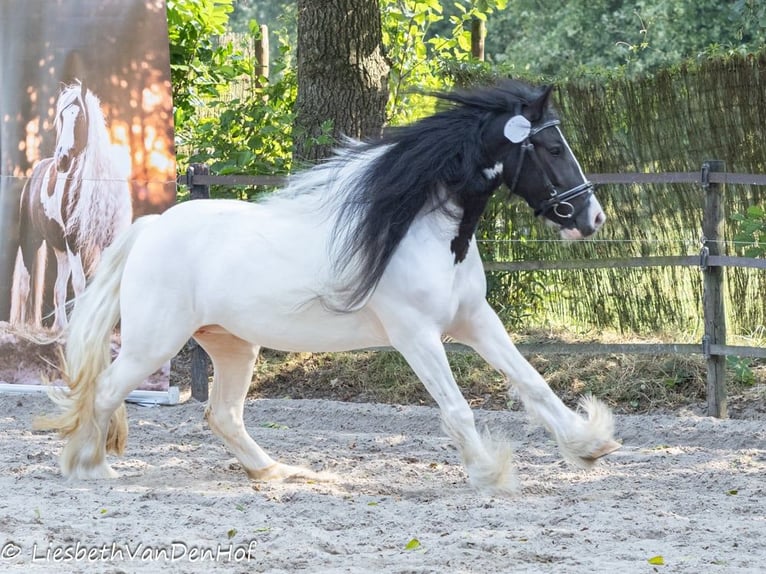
(262, 230)
(205, 234)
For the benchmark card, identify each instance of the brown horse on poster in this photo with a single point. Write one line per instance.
(72, 206)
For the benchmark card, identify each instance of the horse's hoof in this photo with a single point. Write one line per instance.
(98, 472)
(494, 474)
(605, 449)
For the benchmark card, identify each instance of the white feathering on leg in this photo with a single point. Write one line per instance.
(495, 474)
(592, 438)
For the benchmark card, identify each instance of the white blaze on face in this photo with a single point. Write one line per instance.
(595, 215)
(66, 140)
(571, 153)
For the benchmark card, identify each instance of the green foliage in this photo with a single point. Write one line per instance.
(250, 135)
(226, 116)
(583, 37)
(424, 40)
(515, 296)
(250, 130)
(752, 14)
(750, 235)
(740, 371)
(197, 65)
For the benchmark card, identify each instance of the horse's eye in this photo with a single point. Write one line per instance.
(555, 150)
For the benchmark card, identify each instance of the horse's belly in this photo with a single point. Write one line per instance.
(310, 330)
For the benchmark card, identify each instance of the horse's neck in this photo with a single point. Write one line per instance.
(441, 217)
(96, 161)
(473, 204)
(456, 218)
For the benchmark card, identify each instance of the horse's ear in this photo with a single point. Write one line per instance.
(83, 89)
(535, 109)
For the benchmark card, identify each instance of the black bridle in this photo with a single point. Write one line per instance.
(558, 201)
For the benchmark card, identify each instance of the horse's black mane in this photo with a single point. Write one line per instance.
(443, 152)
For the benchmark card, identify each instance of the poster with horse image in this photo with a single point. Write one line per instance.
(86, 146)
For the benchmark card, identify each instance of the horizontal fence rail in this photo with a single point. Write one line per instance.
(678, 177)
(191, 179)
(692, 177)
(611, 262)
(713, 346)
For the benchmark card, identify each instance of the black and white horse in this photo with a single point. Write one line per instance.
(74, 204)
(373, 247)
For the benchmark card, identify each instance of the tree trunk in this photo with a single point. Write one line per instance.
(342, 74)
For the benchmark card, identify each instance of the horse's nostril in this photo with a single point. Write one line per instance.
(600, 219)
(62, 163)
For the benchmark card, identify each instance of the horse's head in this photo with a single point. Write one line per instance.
(538, 165)
(71, 125)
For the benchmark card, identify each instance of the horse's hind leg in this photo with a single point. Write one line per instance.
(104, 428)
(233, 361)
(94, 419)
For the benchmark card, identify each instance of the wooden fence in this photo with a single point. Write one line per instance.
(712, 180)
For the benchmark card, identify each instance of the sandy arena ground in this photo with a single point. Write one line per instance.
(688, 489)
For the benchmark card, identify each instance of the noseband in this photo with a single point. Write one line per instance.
(558, 202)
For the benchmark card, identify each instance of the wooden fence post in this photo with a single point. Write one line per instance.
(197, 191)
(713, 287)
(261, 50)
(478, 33)
(199, 358)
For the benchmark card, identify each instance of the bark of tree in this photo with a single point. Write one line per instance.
(342, 74)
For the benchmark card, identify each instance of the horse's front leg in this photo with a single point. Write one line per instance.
(582, 441)
(77, 271)
(20, 292)
(28, 289)
(63, 271)
(37, 283)
(489, 464)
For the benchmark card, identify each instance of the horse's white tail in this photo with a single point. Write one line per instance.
(88, 345)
